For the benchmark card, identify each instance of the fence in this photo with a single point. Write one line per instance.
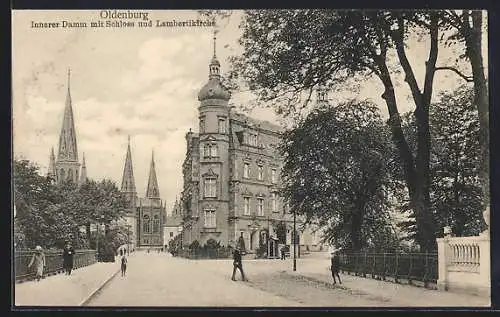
(412, 267)
(53, 262)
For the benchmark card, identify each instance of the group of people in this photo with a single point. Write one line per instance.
(238, 265)
(38, 260)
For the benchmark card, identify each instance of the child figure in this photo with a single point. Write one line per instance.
(124, 264)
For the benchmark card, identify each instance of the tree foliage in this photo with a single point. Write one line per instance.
(290, 52)
(50, 213)
(336, 169)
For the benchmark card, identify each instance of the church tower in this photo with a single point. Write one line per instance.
(52, 165)
(128, 181)
(322, 96)
(83, 173)
(152, 191)
(67, 165)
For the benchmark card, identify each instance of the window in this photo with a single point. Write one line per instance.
(247, 205)
(210, 220)
(156, 224)
(252, 139)
(246, 170)
(260, 206)
(261, 173)
(274, 202)
(214, 151)
(171, 234)
(210, 187)
(146, 224)
(222, 125)
(273, 176)
(210, 150)
(202, 125)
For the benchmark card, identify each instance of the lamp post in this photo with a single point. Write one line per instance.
(294, 240)
(97, 239)
(128, 239)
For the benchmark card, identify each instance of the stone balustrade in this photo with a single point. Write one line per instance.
(464, 264)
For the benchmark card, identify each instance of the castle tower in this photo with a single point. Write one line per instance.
(52, 165)
(67, 165)
(128, 181)
(152, 191)
(83, 173)
(214, 116)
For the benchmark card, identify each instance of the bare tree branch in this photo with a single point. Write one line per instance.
(468, 79)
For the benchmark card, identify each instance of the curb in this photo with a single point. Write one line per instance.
(95, 292)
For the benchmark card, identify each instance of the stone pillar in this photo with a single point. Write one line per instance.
(442, 282)
(484, 265)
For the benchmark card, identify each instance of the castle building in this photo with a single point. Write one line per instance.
(145, 216)
(231, 176)
(67, 166)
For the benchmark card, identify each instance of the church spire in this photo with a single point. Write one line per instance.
(52, 165)
(152, 191)
(83, 173)
(128, 182)
(68, 150)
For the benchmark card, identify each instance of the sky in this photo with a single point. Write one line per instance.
(141, 82)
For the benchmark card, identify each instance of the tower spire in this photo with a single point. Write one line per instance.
(52, 164)
(215, 43)
(128, 182)
(83, 173)
(152, 191)
(68, 150)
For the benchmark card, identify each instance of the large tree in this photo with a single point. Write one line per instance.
(289, 52)
(336, 168)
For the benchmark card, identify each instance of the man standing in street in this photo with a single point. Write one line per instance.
(68, 253)
(335, 266)
(237, 264)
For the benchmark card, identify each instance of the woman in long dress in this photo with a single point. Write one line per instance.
(38, 260)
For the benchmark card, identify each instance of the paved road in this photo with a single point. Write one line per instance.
(158, 280)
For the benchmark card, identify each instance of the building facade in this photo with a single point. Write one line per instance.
(145, 216)
(231, 176)
(173, 224)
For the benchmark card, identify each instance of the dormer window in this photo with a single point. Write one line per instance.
(252, 139)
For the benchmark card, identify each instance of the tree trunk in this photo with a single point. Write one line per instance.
(87, 232)
(474, 52)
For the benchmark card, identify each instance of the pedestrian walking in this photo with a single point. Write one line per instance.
(38, 260)
(282, 251)
(237, 264)
(335, 266)
(124, 264)
(68, 254)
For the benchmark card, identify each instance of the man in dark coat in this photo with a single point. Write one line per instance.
(335, 266)
(237, 264)
(68, 253)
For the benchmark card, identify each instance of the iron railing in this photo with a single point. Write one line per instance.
(411, 267)
(53, 262)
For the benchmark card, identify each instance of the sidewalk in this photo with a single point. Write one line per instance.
(389, 294)
(63, 290)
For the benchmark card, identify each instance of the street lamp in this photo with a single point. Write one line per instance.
(97, 239)
(128, 239)
(295, 235)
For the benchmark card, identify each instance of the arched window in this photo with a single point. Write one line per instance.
(62, 174)
(70, 174)
(146, 224)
